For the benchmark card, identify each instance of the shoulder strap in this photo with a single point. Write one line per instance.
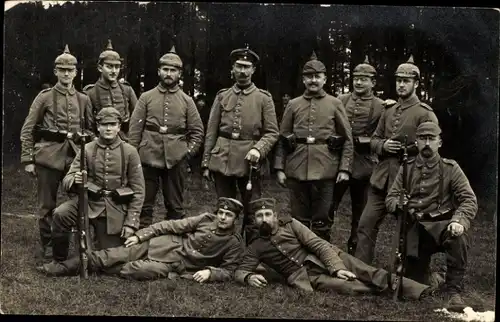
(98, 105)
(441, 183)
(125, 100)
(122, 150)
(94, 156)
(55, 109)
(370, 115)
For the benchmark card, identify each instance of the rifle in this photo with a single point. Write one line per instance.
(83, 216)
(400, 254)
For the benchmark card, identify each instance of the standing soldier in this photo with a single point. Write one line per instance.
(315, 150)
(115, 189)
(166, 129)
(109, 92)
(241, 130)
(396, 121)
(441, 205)
(47, 139)
(363, 110)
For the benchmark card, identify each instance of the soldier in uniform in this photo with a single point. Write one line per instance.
(441, 205)
(308, 262)
(396, 121)
(109, 92)
(112, 164)
(47, 139)
(241, 131)
(363, 110)
(204, 248)
(315, 150)
(166, 129)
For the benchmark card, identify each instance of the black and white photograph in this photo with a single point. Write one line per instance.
(249, 160)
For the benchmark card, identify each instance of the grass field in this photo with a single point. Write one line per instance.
(24, 291)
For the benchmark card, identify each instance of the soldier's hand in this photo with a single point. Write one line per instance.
(342, 176)
(257, 280)
(131, 241)
(392, 146)
(127, 232)
(253, 155)
(30, 168)
(346, 275)
(281, 176)
(207, 175)
(456, 229)
(78, 177)
(202, 276)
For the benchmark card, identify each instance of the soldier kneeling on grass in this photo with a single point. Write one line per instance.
(309, 262)
(441, 204)
(204, 248)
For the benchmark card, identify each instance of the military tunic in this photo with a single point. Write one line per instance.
(120, 96)
(181, 246)
(309, 262)
(54, 108)
(399, 120)
(311, 169)
(240, 120)
(104, 164)
(165, 154)
(363, 113)
(423, 179)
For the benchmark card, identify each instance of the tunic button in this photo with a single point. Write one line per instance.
(420, 201)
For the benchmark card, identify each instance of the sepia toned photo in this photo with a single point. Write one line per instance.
(249, 160)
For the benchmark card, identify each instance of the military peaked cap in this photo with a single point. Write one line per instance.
(262, 203)
(109, 115)
(428, 128)
(244, 56)
(230, 204)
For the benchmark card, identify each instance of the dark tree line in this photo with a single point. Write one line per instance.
(456, 50)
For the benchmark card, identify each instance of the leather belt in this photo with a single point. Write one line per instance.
(106, 192)
(164, 129)
(310, 140)
(238, 136)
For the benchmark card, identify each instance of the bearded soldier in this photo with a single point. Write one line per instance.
(241, 131)
(166, 129)
(315, 150)
(47, 145)
(363, 110)
(115, 189)
(109, 92)
(397, 120)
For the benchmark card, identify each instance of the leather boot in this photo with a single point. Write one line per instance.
(351, 246)
(45, 251)
(69, 267)
(321, 229)
(60, 247)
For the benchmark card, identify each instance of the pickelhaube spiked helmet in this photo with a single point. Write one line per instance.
(109, 55)
(364, 69)
(408, 69)
(66, 60)
(171, 58)
(313, 66)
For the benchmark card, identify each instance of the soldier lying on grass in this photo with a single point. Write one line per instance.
(204, 248)
(309, 262)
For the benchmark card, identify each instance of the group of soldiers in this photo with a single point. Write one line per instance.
(323, 146)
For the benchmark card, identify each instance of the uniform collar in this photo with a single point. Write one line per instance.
(245, 91)
(429, 163)
(365, 97)
(412, 100)
(319, 94)
(163, 89)
(112, 146)
(101, 82)
(63, 90)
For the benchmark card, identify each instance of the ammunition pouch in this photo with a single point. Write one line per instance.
(335, 143)
(362, 144)
(122, 195)
(437, 215)
(94, 191)
(289, 142)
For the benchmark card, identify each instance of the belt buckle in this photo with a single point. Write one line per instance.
(235, 135)
(69, 135)
(163, 129)
(310, 140)
(106, 192)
